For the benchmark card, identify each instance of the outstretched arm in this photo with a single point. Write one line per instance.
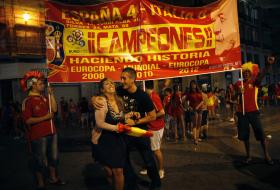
(269, 61)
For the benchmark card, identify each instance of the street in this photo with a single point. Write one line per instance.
(214, 164)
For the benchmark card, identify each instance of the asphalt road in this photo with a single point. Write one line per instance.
(214, 164)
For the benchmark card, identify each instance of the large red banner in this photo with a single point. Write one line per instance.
(88, 43)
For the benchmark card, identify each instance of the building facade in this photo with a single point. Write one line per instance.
(22, 48)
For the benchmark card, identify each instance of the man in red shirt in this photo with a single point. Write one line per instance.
(157, 126)
(252, 81)
(169, 120)
(41, 132)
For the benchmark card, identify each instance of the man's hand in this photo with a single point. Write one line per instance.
(123, 128)
(242, 90)
(49, 116)
(270, 60)
(50, 90)
(149, 134)
(97, 102)
(134, 115)
(130, 122)
(128, 115)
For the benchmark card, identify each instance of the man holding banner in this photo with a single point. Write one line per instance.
(248, 110)
(37, 112)
(158, 40)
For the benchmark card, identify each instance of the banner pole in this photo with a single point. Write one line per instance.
(144, 86)
(50, 107)
(242, 92)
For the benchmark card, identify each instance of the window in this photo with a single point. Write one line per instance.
(242, 33)
(254, 15)
(29, 41)
(255, 35)
(249, 34)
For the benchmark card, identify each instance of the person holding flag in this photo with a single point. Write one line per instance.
(248, 110)
(38, 112)
(136, 101)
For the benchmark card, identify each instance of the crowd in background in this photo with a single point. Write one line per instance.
(188, 113)
(76, 114)
(181, 118)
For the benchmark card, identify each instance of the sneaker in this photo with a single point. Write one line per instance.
(231, 119)
(269, 137)
(161, 174)
(235, 136)
(143, 172)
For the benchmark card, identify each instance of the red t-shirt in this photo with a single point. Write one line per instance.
(250, 96)
(37, 106)
(195, 99)
(175, 105)
(166, 104)
(159, 122)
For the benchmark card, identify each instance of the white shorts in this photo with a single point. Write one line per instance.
(156, 139)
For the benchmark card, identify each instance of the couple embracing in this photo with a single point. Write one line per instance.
(116, 110)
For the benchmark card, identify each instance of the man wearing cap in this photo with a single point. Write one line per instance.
(41, 132)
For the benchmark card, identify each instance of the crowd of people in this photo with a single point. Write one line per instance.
(190, 112)
(76, 114)
(127, 118)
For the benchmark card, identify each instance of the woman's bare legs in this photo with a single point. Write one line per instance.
(118, 178)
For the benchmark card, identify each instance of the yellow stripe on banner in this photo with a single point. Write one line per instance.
(160, 38)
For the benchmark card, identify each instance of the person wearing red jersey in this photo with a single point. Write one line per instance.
(157, 126)
(196, 103)
(251, 116)
(169, 120)
(177, 111)
(41, 132)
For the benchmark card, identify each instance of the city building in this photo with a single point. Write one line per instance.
(22, 48)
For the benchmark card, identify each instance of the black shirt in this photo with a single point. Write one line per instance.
(138, 101)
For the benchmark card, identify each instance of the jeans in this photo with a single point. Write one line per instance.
(44, 153)
(143, 146)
